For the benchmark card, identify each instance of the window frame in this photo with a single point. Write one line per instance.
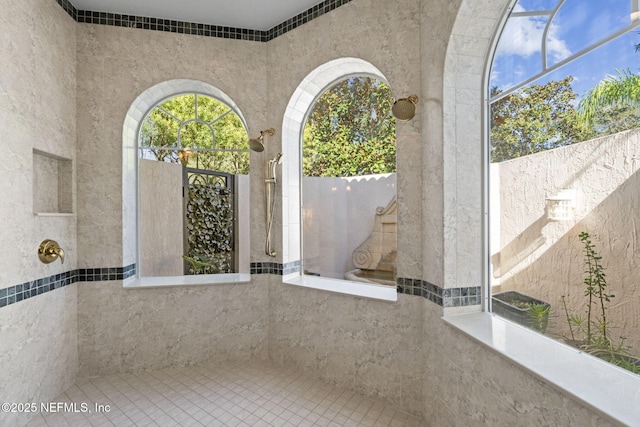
(296, 113)
(137, 113)
(607, 389)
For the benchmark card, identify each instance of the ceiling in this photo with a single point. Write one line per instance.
(250, 14)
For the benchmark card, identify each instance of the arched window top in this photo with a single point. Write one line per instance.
(541, 36)
(197, 130)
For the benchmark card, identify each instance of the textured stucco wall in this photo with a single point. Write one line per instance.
(544, 258)
(115, 65)
(124, 330)
(358, 343)
(38, 347)
(469, 385)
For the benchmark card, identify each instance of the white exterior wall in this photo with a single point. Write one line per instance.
(338, 216)
(544, 258)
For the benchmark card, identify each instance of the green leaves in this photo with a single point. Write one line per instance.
(593, 333)
(350, 131)
(210, 228)
(197, 121)
(534, 119)
(614, 91)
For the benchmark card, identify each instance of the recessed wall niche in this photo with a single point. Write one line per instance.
(52, 184)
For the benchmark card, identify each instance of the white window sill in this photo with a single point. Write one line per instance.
(55, 214)
(605, 388)
(367, 290)
(193, 280)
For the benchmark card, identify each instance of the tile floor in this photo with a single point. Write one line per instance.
(253, 394)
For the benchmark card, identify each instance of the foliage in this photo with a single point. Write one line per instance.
(534, 119)
(595, 284)
(612, 119)
(622, 90)
(197, 121)
(592, 334)
(539, 316)
(209, 228)
(350, 130)
(201, 264)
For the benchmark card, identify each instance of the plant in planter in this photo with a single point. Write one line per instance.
(593, 333)
(523, 309)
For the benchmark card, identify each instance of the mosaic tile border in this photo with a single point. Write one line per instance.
(449, 297)
(304, 17)
(206, 30)
(69, 8)
(32, 288)
(275, 268)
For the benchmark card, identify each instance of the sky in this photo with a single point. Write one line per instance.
(578, 25)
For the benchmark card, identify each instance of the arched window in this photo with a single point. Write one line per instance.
(194, 154)
(185, 186)
(564, 108)
(293, 128)
(349, 183)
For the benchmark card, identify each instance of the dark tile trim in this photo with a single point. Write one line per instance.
(275, 268)
(69, 8)
(104, 274)
(449, 297)
(26, 290)
(169, 26)
(304, 17)
(206, 30)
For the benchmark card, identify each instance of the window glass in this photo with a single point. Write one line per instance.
(193, 174)
(579, 24)
(348, 187)
(519, 54)
(537, 5)
(563, 175)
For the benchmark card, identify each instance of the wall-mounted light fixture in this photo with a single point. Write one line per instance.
(562, 206)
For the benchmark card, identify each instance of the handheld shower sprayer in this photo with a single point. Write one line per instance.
(273, 163)
(270, 189)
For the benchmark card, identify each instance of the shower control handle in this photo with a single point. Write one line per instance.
(49, 251)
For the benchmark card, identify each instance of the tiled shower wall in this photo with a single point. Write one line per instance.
(38, 337)
(400, 351)
(155, 328)
(361, 344)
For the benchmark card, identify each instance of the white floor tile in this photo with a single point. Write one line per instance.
(253, 394)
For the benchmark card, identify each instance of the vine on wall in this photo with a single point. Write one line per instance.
(209, 229)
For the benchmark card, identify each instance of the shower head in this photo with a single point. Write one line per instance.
(257, 144)
(405, 108)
